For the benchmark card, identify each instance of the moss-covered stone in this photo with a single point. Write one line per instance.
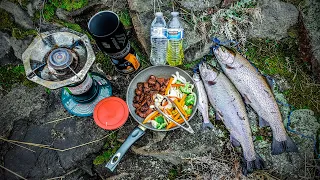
(21, 34)
(69, 5)
(10, 75)
(6, 21)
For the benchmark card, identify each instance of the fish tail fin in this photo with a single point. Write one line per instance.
(207, 125)
(283, 146)
(250, 166)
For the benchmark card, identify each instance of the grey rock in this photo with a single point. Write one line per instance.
(20, 16)
(198, 5)
(19, 104)
(195, 44)
(4, 46)
(27, 115)
(20, 45)
(30, 9)
(276, 18)
(312, 24)
(62, 14)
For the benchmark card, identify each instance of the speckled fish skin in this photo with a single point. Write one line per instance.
(202, 102)
(227, 102)
(257, 93)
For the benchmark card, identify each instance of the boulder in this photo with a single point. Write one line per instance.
(199, 5)
(276, 18)
(26, 116)
(20, 16)
(195, 44)
(311, 22)
(20, 45)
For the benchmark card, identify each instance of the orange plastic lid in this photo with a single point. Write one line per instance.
(111, 113)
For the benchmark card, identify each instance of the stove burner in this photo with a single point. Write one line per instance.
(60, 58)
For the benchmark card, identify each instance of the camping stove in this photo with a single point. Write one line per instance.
(63, 58)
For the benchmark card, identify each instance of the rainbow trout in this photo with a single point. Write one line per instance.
(203, 102)
(230, 108)
(257, 93)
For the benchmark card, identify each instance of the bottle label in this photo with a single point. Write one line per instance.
(175, 34)
(158, 31)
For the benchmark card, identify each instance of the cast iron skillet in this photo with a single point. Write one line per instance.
(158, 71)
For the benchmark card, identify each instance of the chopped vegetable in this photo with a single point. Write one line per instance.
(150, 116)
(190, 100)
(159, 119)
(183, 99)
(172, 124)
(187, 89)
(180, 108)
(169, 85)
(177, 85)
(189, 111)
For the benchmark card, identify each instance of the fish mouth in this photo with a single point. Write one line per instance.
(224, 55)
(207, 73)
(196, 77)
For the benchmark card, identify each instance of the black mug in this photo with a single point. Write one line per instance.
(110, 36)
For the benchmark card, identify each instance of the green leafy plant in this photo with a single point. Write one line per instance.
(125, 18)
(109, 149)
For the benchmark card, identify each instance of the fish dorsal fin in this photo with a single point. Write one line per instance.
(234, 141)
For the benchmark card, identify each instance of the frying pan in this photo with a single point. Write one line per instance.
(143, 76)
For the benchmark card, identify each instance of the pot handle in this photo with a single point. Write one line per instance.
(132, 138)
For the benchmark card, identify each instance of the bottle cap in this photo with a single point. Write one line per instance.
(111, 113)
(159, 14)
(174, 13)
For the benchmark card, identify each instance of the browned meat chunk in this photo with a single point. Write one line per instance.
(138, 92)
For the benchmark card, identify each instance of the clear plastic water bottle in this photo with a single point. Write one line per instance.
(175, 54)
(158, 40)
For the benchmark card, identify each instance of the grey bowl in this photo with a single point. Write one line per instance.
(159, 71)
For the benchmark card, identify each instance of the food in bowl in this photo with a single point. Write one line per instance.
(151, 93)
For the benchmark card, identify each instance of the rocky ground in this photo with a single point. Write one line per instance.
(66, 147)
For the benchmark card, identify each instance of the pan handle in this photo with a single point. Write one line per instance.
(132, 138)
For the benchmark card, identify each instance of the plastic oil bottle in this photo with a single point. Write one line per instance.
(158, 40)
(175, 54)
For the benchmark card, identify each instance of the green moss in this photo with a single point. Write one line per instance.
(69, 5)
(105, 62)
(6, 21)
(10, 75)
(125, 18)
(21, 34)
(48, 12)
(173, 174)
(109, 149)
(282, 58)
(23, 3)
